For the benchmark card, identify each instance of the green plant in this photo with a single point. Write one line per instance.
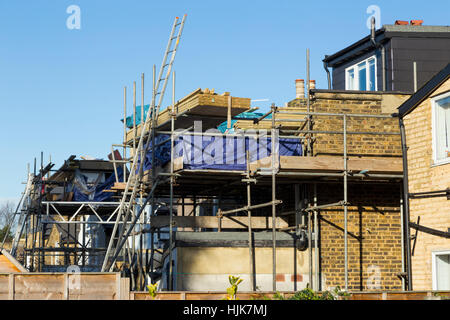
(152, 290)
(4, 232)
(309, 294)
(232, 290)
(306, 294)
(337, 292)
(278, 296)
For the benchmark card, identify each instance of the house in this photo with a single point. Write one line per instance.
(384, 60)
(366, 256)
(425, 124)
(63, 226)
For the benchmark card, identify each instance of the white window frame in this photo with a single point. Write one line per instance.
(356, 74)
(434, 126)
(433, 266)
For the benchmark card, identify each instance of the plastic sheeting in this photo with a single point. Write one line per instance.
(244, 115)
(219, 152)
(138, 116)
(93, 191)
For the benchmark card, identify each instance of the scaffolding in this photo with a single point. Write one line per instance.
(147, 200)
(196, 185)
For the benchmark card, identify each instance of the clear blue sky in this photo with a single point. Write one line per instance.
(61, 90)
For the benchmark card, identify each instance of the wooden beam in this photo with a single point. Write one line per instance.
(212, 222)
(209, 107)
(331, 163)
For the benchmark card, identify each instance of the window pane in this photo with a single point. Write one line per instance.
(372, 74)
(351, 79)
(443, 272)
(443, 128)
(362, 76)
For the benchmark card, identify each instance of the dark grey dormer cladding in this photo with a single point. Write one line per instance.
(428, 46)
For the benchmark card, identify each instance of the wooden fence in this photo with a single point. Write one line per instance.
(63, 286)
(110, 286)
(190, 295)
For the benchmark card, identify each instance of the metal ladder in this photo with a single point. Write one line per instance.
(148, 131)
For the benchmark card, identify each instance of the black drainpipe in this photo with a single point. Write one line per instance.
(383, 52)
(407, 237)
(325, 65)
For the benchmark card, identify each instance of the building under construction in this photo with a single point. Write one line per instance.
(309, 193)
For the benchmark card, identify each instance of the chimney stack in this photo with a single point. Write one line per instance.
(312, 84)
(299, 89)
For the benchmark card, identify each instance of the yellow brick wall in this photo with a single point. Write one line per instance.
(423, 176)
(361, 103)
(374, 240)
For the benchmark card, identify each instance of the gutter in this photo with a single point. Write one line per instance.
(406, 216)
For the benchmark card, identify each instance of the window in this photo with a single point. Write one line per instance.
(441, 270)
(441, 128)
(361, 76)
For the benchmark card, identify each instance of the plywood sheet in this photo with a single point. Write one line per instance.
(6, 265)
(9, 264)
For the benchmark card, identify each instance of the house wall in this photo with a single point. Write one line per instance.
(374, 237)
(430, 54)
(358, 103)
(424, 176)
(374, 219)
(211, 267)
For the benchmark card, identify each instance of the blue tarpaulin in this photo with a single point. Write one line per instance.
(219, 152)
(83, 192)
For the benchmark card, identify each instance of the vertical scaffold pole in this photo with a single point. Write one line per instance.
(274, 245)
(316, 241)
(345, 205)
(172, 128)
(308, 103)
(250, 232)
(124, 133)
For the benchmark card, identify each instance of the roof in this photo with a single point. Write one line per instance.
(71, 164)
(383, 35)
(424, 91)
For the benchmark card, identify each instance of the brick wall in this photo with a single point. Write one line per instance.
(357, 144)
(423, 175)
(374, 224)
(374, 239)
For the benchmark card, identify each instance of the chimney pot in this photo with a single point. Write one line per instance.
(299, 88)
(401, 22)
(416, 22)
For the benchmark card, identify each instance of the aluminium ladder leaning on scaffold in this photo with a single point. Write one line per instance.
(148, 131)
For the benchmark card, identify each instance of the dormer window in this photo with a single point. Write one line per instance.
(362, 76)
